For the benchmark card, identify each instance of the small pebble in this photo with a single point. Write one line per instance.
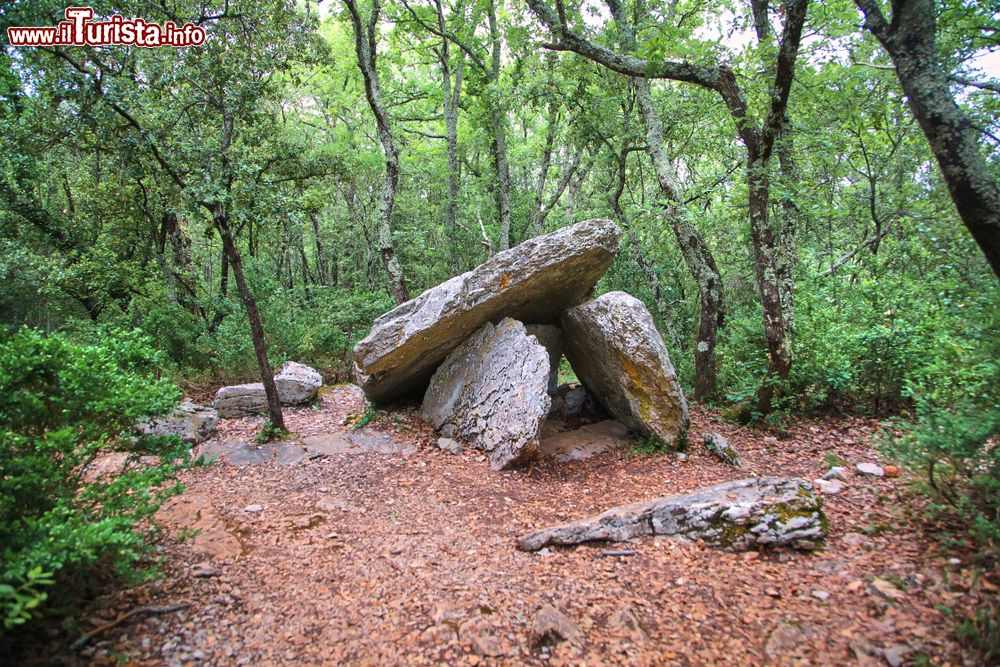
(820, 595)
(253, 508)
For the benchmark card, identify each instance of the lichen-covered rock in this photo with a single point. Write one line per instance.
(296, 384)
(491, 392)
(189, 421)
(720, 447)
(532, 282)
(619, 356)
(745, 514)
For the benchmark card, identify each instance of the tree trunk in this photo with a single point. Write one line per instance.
(321, 261)
(779, 353)
(697, 256)
(452, 93)
(909, 40)
(364, 46)
(499, 118)
(221, 221)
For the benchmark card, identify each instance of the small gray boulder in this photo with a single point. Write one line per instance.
(297, 384)
(189, 421)
(720, 447)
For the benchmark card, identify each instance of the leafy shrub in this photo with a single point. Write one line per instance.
(957, 454)
(62, 404)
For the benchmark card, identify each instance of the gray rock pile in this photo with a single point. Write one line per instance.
(483, 349)
(297, 384)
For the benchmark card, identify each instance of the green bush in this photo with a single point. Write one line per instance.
(62, 404)
(955, 451)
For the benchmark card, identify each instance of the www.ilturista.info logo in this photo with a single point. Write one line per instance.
(79, 30)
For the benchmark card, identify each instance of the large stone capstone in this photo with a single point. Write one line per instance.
(492, 392)
(532, 282)
(745, 514)
(619, 356)
(296, 384)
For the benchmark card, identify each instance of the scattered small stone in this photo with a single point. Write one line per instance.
(449, 445)
(204, 570)
(619, 552)
(954, 561)
(552, 626)
(887, 590)
(854, 539)
(828, 487)
(682, 457)
(821, 595)
(870, 470)
(480, 459)
(836, 472)
(720, 447)
(253, 509)
(896, 655)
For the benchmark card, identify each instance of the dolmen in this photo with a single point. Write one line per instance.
(483, 348)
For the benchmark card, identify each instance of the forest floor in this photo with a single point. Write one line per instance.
(388, 559)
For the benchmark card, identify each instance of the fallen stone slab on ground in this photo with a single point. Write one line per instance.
(619, 356)
(584, 442)
(189, 421)
(353, 442)
(745, 514)
(297, 384)
(532, 282)
(492, 392)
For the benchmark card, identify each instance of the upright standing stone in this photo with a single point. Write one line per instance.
(551, 338)
(619, 356)
(532, 282)
(491, 392)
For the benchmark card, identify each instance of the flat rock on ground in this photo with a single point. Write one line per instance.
(616, 351)
(378, 559)
(584, 442)
(745, 514)
(532, 282)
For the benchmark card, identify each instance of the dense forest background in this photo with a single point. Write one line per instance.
(784, 214)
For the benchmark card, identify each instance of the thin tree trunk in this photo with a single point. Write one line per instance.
(365, 49)
(552, 122)
(220, 311)
(909, 39)
(779, 352)
(499, 118)
(695, 251)
(321, 261)
(452, 92)
(253, 315)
